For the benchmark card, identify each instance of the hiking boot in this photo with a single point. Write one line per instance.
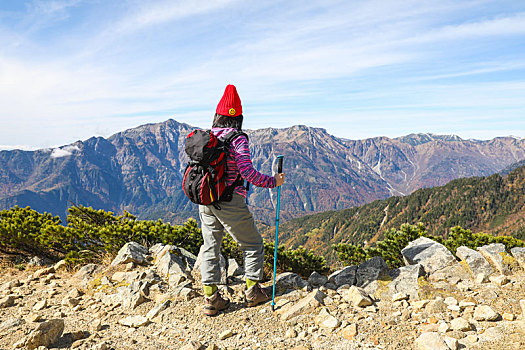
(214, 304)
(256, 295)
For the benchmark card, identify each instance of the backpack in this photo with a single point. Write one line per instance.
(204, 179)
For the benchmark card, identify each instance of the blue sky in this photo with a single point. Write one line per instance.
(71, 69)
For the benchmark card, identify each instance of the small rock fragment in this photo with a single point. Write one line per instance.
(134, 321)
(226, 334)
(350, 331)
(40, 305)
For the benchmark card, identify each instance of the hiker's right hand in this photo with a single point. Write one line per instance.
(279, 179)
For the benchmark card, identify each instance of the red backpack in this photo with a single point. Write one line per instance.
(204, 179)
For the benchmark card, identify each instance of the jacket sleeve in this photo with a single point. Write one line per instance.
(243, 160)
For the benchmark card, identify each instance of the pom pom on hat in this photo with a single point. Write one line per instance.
(230, 103)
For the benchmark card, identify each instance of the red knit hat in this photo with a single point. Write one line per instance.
(230, 103)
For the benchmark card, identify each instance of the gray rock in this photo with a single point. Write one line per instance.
(38, 261)
(46, 334)
(40, 305)
(345, 276)
(370, 273)
(452, 343)
(10, 285)
(405, 280)
(170, 262)
(11, 323)
(188, 293)
(478, 265)
(519, 254)
(7, 301)
(485, 313)
(87, 271)
(317, 280)
(234, 269)
(134, 294)
(326, 320)
(289, 281)
(492, 334)
(158, 309)
(495, 253)
(134, 321)
(356, 296)
(431, 341)
(131, 252)
(155, 249)
(309, 303)
(432, 255)
(460, 324)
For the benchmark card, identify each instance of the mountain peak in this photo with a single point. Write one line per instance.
(421, 138)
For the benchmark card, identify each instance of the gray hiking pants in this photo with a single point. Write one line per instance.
(236, 218)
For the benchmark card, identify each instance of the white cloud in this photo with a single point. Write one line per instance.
(64, 151)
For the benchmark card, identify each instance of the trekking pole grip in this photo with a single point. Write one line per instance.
(280, 164)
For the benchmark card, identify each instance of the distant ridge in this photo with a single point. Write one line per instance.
(140, 170)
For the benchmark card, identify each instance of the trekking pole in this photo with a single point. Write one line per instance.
(279, 171)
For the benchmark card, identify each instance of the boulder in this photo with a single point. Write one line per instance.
(131, 252)
(405, 280)
(289, 281)
(46, 334)
(485, 313)
(357, 297)
(370, 273)
(497, 256)
(345, 276)
(478, 265)
(171, 262)
(317, 280)
(519, 254)
(431, 341)
(309, 303)
(432, 255)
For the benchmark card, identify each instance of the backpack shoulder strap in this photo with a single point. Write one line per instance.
(232, 136)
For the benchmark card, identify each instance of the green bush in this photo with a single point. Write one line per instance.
(460, 237)
(395, 240)
(90, 234)
(389, 248)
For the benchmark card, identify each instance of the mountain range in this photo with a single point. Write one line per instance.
(140, 170)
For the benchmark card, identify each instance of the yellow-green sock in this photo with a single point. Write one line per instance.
(209, 290)
(250, 283)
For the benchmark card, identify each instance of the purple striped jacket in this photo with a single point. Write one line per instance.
(240, 162)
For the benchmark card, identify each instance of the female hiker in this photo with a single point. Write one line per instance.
(233, 216)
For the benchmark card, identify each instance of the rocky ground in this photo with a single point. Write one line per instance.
(151, 299)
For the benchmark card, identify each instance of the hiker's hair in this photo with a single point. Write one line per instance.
(222, 121)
